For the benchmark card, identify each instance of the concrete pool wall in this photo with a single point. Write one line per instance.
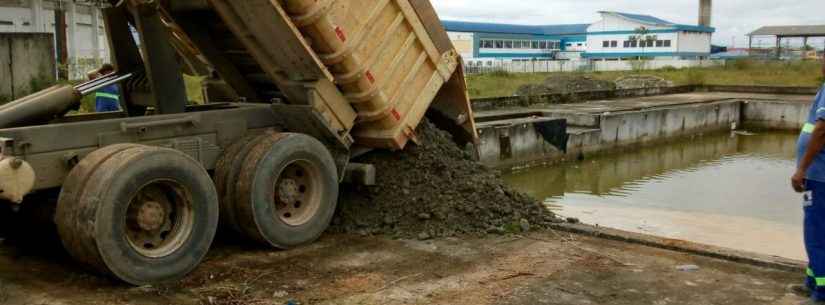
(513, 137)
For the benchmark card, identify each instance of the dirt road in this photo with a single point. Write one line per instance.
(540, 268)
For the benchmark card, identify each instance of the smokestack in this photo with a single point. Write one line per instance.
(705, 12)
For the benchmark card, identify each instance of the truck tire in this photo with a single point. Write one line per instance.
(287, 191)
(227, 170)
(144, 215)
(65, 217)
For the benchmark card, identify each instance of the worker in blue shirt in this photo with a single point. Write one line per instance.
(809, 179)
(107, 99)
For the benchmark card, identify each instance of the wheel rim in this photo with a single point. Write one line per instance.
(298, 193)
(159, 218)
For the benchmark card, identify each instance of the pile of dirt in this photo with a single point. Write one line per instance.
(565, 83)
(642, 81)
(435, 190)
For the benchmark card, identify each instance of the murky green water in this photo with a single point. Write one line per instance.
(728, 190)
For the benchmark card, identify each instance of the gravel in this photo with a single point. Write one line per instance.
(435, 190)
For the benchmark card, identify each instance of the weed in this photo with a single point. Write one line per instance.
(669, 69)
(499, 73)
(512, 228)
(696, 77)
(742, 64)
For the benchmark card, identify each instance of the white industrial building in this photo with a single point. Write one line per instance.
(617, 36)
(629, 36)
(85, 34)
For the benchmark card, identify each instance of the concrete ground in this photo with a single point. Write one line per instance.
(539, 268)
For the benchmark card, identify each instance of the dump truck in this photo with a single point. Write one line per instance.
(294, 90)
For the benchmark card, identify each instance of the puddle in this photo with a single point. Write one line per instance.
(729, 190)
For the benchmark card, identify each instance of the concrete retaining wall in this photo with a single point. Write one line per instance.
(515, 142)
(492, 103)
(775, 115)
(641, 127)
(27, 64)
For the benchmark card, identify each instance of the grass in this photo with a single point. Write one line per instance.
(740, 72)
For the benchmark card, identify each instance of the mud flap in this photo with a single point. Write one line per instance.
(554, 133)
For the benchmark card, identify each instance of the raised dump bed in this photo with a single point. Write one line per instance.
(381, 57)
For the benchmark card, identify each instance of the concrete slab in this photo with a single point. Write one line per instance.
(603, 125)
(641, 103)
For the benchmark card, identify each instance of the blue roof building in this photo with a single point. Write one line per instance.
(617, 36)
(511, 41)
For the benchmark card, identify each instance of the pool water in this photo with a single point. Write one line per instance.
(729, 190)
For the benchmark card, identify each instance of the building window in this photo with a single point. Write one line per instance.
(614, 44)
(568, 44)
(525, 44)
(4, 22)
(508, 44)
(579, 44)
(499, 44)
(535, 44)
(626, 44)
(517, 44)
(667, 43)
(660, 43)
(487, 44)
(542, 45)
(605, 44)
(634, 43)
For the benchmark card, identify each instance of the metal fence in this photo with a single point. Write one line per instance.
(543, 66)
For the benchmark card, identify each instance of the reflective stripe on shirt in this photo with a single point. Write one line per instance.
(107, 95)
(820, 281)
(808, 128)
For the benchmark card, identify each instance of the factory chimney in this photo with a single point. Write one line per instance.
(705, 12)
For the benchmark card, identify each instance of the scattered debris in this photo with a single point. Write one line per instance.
(390, 284)
(687, 268)
(447, 194)
(642, 81)
(572, 220)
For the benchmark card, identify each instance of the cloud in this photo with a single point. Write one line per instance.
(732, 18)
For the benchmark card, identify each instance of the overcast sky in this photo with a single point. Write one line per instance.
(732, 18)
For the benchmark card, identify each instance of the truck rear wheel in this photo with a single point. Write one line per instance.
(227, 170)
(287, 191)
(144, 215)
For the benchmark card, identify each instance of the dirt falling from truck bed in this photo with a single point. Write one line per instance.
(434, 190)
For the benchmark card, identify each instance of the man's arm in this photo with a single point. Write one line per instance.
(814, 148)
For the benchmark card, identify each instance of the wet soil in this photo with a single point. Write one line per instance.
(435, 189)
(535, 268)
